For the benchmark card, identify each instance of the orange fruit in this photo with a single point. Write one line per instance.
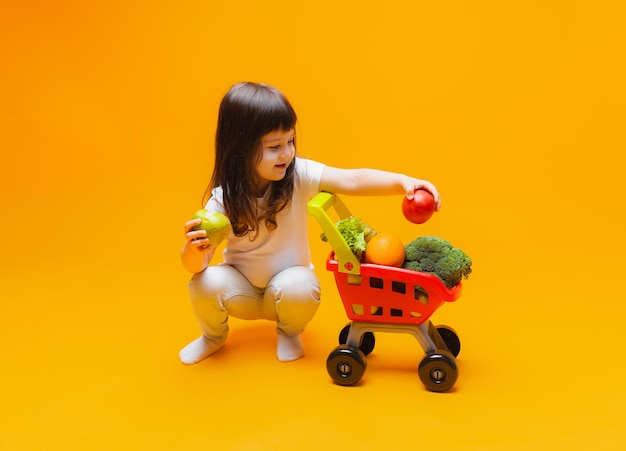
(385, 249)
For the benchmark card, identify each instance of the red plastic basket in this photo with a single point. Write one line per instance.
(388, 294)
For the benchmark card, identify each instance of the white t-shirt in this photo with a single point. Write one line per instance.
(285, 246)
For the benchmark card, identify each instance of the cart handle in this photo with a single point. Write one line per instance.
(318, 207)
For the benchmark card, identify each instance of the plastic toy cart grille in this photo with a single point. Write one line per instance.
(387, 294)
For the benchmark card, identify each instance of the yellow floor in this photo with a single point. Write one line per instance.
(514, 110)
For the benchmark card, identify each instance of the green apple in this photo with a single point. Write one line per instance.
(216, 225)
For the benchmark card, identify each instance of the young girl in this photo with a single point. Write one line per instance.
(261, 185)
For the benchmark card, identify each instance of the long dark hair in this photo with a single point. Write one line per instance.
(248, 112)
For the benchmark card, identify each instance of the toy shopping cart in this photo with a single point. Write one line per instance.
(381, 298)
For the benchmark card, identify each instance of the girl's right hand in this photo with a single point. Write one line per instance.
(196, 239)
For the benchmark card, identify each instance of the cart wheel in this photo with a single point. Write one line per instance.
(346, 365)
(368, 341)
(450, 338)
(438, 371)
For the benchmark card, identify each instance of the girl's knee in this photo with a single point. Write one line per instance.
(296, 285)
(209, 283)
(296, 298)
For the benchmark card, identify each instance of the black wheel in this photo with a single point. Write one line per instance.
(451, 339)
(346, 365)
(368, 341)
(438, 371)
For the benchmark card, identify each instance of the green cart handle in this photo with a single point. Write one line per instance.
(318, 207)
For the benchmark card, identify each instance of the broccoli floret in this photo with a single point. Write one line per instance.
(433, 255)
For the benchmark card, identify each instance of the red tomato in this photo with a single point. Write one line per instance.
(419, 209)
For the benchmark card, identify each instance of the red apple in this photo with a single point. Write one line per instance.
(419, 209)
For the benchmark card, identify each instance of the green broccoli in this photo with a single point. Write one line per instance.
(355, 232)
(433, 255)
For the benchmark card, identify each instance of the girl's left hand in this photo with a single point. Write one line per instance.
(415, 184)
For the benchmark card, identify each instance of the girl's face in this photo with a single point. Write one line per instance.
(278, 151)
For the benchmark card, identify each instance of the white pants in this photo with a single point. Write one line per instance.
(291, 299)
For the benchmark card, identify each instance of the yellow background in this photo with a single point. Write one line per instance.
(515, 110)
